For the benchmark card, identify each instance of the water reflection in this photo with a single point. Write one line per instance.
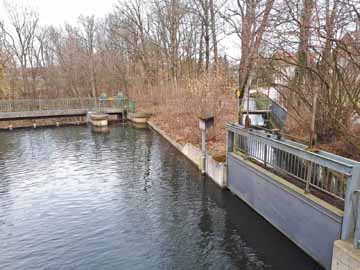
(123, 200)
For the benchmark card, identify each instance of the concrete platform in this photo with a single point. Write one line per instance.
(345, 256)
(139, 118)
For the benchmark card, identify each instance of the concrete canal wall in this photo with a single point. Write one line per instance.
(273, 176)
(308, 221)
(215, 170)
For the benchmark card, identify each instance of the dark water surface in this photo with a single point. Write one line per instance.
(74, 199)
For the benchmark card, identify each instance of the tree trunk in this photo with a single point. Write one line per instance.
(207, 35)
(213, 32)
(201, 53)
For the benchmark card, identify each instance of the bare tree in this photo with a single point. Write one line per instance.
(87, 36)
(20, 38)
(213, 9)
(249, 20)
(315, 53)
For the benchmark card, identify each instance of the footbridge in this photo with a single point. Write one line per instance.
(264, 112)
(47, 108)
(43, 112)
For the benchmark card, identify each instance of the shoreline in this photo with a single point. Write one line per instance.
(214, 170)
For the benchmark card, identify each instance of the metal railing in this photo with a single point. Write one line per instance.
(294, 162)
(329, 177)
(60, 104)
(277, 113)
(122, 103)
(311, 174)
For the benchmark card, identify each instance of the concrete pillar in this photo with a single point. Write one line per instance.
(345, 256)
(99, 120)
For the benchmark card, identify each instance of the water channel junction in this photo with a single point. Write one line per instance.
(311, 197)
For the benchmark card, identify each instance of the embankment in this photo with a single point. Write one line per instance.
(215, 170)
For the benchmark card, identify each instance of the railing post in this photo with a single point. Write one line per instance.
(351, 201)
(309, 167)
(357, 221)
(229, 142)
(265, 155)
(203, 151)
(247, 146)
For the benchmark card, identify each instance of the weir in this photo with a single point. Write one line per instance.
(12, 112)
(311, 197)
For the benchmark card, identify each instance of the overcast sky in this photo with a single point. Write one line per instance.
(56, 12)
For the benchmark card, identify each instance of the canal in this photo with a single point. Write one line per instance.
(74, 199)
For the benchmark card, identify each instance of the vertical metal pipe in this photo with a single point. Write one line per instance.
(230, 142)
(348, 226)
(308, 176)
(357, 221)
(265, 155)
(203, 151)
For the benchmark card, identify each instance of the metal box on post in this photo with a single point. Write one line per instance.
(206, 122)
